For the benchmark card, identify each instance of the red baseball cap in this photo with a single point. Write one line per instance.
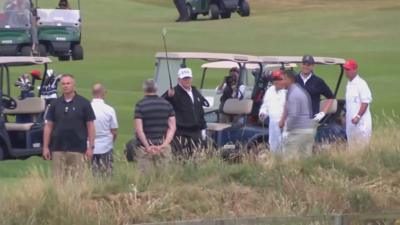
(350, 64)
(36, 74)
(277, 75)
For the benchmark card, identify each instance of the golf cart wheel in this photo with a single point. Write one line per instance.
(244, 8)
(26, 51)
(41, 49)
(77, 52)
(226, 15)
(214, 11)
(63, 58)
(192, 15)
(256, 148)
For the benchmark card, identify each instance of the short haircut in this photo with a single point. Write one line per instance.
(150, 86)
(98, 89)
(68, 75)
(290, 74)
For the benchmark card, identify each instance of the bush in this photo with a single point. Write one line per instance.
(361, 200)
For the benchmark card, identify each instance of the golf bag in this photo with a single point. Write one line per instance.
(48, 91)
(25, 85)
(263, 82)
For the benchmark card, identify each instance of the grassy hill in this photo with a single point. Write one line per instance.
(120, 38)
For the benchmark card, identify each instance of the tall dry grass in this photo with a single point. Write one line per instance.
(337, 181)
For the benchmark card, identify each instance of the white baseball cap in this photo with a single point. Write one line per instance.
(184, 72)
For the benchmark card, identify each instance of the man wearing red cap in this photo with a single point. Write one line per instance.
(272, 107)
(358, 115)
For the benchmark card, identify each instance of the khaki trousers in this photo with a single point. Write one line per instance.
(147, 161)
(68, 164)
(298, 143)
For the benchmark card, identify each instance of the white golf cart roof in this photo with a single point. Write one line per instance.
(298, 59)
(23, 60)
(250, 66)
(240, 58)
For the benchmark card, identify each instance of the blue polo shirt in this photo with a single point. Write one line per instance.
(315, 87)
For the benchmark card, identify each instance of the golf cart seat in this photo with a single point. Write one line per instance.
(232, 107)
(332, 109)
(33, 106)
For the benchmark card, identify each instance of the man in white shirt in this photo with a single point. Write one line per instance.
(106, 126)
(358, 115)
(272, 107)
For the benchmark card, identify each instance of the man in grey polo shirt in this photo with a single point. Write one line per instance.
(297, 120)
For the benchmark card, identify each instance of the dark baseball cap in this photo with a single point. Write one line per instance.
(308, 59)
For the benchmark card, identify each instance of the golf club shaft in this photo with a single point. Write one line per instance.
(166, 55)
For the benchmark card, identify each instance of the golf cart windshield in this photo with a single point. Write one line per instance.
(58, 17)
(15, 14)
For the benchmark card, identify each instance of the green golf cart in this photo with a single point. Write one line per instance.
(217, 8)
(20, 139)
(16, 30)
(59, 33)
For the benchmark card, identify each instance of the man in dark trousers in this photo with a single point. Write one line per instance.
(181, 7)
(315, 87)
(188, 105)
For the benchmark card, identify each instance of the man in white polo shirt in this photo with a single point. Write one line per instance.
(358, 115)
(106, 126)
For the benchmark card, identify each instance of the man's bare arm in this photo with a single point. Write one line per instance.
(363, 109)
(327, 105)
(91, 135)
(140, 133)
(48, 128)
(170, 132)
(91, 132)
(114, 133)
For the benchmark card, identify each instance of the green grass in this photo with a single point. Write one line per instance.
(121, 37)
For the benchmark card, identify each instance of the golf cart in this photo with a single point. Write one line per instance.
(20, 139)
(217, 8)
(331, 129)
(16, 30)
(243, 133)
(221, 135)
(59, 33)
(238, 134)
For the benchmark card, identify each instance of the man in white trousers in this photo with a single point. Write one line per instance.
(358, 100)
(272, 107)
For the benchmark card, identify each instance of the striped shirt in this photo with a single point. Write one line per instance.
(154, 112)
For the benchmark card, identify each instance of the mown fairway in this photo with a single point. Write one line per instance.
(122, 36)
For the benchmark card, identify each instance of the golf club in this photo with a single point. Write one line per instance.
(164, 34)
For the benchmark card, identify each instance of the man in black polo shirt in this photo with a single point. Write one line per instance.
(69, 131)
(315, 86)
(155, 128)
